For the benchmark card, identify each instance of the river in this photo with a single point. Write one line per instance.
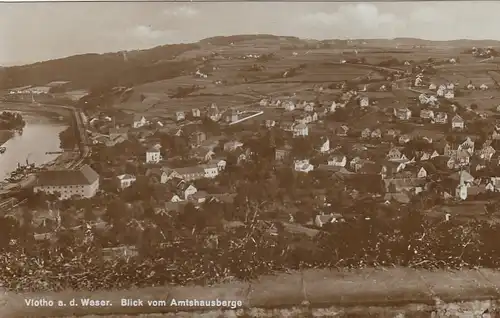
(40, 135)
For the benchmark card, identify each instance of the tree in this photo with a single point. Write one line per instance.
(116, 211)
(68, 138)
(193, 218)
(89, 215)
(9, 230)
(68, 218)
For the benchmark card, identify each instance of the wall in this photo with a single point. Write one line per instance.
(395, 292)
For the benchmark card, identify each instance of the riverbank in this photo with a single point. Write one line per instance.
(40, 135)
(46, 110)
(322, 293)
(5, 135)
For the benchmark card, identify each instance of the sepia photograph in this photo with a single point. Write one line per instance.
(250, 159)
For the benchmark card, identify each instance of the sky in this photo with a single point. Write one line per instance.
(31, 32)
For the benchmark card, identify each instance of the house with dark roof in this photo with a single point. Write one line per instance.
(83, 182)
(118, 132)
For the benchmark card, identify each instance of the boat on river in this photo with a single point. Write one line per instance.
(2, 149)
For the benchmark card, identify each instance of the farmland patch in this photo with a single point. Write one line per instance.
(467, 68)
(200, 101)
(168, 86)
(484, 104)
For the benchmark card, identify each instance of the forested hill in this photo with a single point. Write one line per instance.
(112, 69)
(88, 70)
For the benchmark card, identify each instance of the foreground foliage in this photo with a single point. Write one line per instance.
(169, 252)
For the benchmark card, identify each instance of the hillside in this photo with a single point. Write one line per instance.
(138, 67)
(88, 70)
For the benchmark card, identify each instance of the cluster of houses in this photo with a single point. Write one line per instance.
(405, 173)
(402, 172)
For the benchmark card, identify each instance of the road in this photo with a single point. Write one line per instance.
(85, 150)
(370, 66)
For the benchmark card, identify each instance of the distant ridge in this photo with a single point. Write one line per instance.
(141, 66)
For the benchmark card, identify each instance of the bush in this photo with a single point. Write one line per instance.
(247, 252)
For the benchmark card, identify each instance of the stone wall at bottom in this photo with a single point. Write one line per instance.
(471, 309)
(394, 292)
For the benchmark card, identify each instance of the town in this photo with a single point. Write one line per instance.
(252, 161)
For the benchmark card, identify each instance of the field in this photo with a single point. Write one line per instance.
(170, 85)
(443, 78)
(473, 73)
(467, 68)
(244, 84)
(495, 75)
(200, 101)
(484, 104)
(324, 74)
(378, 95)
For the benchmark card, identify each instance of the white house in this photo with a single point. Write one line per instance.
(125, 180)
(440, 92)
(468, 145)
(465, 181)
(289, 106)
(432, 100)
(189, 191)
(196, 112)
(337, 161)
(211, 170)
(426, 114)
(423, 99)
(232, 145)
(404, 139)
(325, 145)
(300, 130)
(402, 113)
(450, 94)
(432, 87)
(153, 155)
(213, 112)
(309, 107)
(364, 101)
(180, 116)
(303, 166)
(483, 87)
(220, 163)
(441, 118)
(83, 182)
(139, 121)
(333, 107)
(321, 219)
(422, 173)
(457, 122)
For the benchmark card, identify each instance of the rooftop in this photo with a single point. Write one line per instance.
(83, 176)
(57, 83)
